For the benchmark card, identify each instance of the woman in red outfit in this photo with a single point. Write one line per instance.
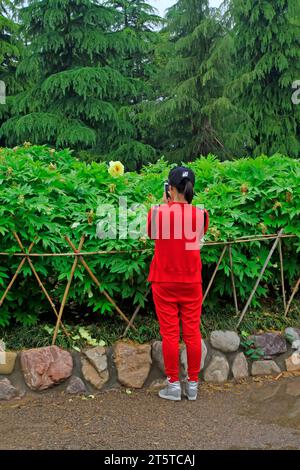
(175, 275)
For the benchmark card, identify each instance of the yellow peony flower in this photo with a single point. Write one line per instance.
(116, 169)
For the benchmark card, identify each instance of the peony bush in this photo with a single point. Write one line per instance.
(47, 194)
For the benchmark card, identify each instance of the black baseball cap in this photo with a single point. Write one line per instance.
(180, 174)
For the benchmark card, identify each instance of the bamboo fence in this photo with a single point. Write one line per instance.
(79, 257)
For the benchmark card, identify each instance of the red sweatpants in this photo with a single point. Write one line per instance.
(175, 302)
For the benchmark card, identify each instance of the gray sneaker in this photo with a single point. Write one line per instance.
(171, 392)
(191, 390)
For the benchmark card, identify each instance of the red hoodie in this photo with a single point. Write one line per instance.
(178, 229)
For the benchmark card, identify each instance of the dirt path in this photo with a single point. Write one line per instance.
(248, 416)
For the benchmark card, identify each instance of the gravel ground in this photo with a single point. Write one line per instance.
(253, 415)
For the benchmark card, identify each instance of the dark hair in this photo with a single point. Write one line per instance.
(188, 191)
(183, 185)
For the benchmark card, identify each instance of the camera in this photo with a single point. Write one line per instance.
(166, 189)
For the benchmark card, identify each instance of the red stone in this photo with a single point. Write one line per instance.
(45, 367)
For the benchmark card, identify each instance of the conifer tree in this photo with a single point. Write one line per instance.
(10, 49)
(72, 59)
(8, 30)
(267, 38)
(135, 22)
(189, 114)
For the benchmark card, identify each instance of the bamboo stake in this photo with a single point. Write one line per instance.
(233, 281)
(282, 274)
(39, 281)
(96, 281)
(292, 296)
(215, 272)
(66, 293)
(135, 314)
(259, 277)
(15, 276)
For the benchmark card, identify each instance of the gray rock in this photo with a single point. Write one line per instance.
(2, 345)
(91, 374)
(133, 363)
(95, 367)
(97, 357)
(296, 344)
(7, 390)
(76, 386)
(157, 355)
(293, 362)
(292, 334)
(183, 359)
(217, 370)
(240, 368)
(270, 343)
(265, 368)
(225, 341)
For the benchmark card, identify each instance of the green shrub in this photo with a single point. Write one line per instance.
(43, 193)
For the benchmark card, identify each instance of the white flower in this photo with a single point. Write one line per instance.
(116, 169)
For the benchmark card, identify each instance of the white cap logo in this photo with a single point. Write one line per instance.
(185, 174)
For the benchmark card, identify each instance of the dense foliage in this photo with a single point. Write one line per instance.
(193, 115)
(10, 51)
(113, 81)
(85, 69)
(48, 194)
(268, 51)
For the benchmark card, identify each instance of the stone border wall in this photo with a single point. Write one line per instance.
(131, 365)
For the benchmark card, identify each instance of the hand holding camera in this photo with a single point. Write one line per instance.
(167, 195)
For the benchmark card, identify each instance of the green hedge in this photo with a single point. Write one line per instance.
(44, 192)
